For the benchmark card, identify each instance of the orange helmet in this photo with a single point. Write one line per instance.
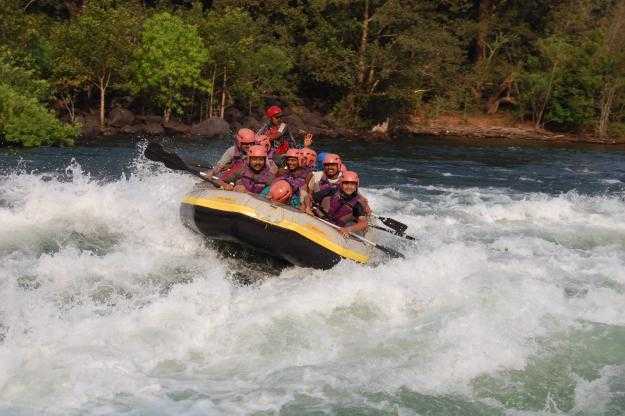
(273, 111)
(332, 158)
(257, 151)
(245, 136)
(292, 153)
(350, 176)
(280, 191)
(263, 140)
(308, 157)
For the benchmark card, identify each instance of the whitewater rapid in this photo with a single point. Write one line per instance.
(509, 303)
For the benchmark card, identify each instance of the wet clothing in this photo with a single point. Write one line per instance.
(339, 208)
(255, 182)
(281, 141)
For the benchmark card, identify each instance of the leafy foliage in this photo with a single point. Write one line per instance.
(169, 60)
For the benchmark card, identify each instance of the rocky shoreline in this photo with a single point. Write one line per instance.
(123, 123)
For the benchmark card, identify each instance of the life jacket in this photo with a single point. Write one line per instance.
(232, 171)
(296, 179)
(256, 182)
(321, 182)
(340, 210)
(280, 141)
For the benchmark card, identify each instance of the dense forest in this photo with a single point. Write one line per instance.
(557, 64)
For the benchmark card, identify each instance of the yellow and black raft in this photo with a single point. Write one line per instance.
(274, 229)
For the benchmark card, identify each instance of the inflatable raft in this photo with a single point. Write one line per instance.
(274, 229)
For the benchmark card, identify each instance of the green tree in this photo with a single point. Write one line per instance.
(244, 60)
(94, 49)
(23, 118)
(169, 60)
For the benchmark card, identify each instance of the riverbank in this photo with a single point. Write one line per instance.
(496, 127)
(122, 123)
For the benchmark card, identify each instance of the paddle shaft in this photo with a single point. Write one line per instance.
(386, 250)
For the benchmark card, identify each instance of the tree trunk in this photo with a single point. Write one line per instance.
(212, 94)
(362, 51)
(543, 105)
(607, 100)
(102, 85)
(483, 25)
(167, 114)
(223, 94)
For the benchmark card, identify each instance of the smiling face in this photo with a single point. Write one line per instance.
(331, 169)
(292, 163)
(349, 188)
(257, 163)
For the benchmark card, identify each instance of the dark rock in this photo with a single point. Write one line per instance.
(176, 128)
(251, 123)
(133, 129)
(233, 115)
(212, 127)
(148, 119)
(154, 128)
(120, 117)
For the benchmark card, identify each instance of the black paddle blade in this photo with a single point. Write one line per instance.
(155, 152)
(399, 227)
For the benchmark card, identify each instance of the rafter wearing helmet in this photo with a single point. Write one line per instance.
(344, 206)
(277, 130)
(233, 158)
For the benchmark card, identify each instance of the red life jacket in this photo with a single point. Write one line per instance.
(234, 170)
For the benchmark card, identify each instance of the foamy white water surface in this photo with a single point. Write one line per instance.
(512, 302)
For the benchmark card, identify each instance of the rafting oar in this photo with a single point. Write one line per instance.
(155, 152)
(392, 253)
(398, 227)
(406, 236)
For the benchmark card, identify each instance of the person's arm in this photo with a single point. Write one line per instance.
(361, 224)
(225, 160)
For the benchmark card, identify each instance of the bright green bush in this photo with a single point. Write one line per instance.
(24, 121)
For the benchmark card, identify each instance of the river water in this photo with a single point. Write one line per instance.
(511, 302)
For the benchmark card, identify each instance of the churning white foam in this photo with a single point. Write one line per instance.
(109, 305)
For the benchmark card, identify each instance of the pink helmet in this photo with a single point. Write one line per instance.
(292, 153)
(245, 136)
(273, 111)
(263, 140)
(332, 158)
(350, 176)
(308, 157)
(257, 151)
(280, 191)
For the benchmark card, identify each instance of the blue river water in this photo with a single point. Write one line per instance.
(511, 301)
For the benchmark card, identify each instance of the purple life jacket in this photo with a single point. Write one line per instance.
(324, 184)
(340, 211)
(255, 182)
(296, 179)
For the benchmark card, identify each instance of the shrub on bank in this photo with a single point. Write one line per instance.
(24, 121)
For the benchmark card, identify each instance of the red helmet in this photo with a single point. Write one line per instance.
(308, 157)
(293, 153)
(263, 140)
(350, 176)
(332, 158)
(245, 136)
(280, 191)
(257, 151)
(273, 111)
